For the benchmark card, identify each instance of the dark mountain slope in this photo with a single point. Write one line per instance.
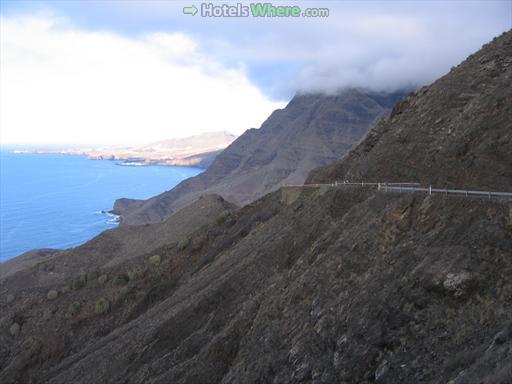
(340, 286)
(305, 285)
(456, 132)
(312, 130)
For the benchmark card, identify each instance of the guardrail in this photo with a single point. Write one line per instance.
(414, 187)
(457, 192)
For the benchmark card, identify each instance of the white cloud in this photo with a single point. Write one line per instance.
(60, 84)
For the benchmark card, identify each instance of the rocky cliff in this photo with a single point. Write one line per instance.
(312, 130)
(304, 285)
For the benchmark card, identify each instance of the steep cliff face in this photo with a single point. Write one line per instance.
(456, 132)
(312, 130)
(304, 285)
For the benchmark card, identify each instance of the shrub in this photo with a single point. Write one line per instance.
(5, 321)
(222, 217)
(120, 280)
(183, 243)
(155, 260)
(92, 275)
(135, 274)
(10, 298)
(74, 308)
(14, 329)
(82, 276)
(52, 294)
(79, 282)
(33, 345)
(103, 279)
(66, 289)
(125, 290)
(102, 306)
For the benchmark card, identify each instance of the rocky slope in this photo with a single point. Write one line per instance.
(304, 285)
(312, 130)
(453, 133)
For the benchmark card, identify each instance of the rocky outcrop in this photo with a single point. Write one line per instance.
(312, 130)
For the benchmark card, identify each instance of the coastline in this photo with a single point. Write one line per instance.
(200, 160)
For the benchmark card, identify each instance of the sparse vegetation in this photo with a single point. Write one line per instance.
(101, 306)
(52, 294)
(79, 282)
(222, 217)
(120, 280)
(33, 345)
(155, 260)
(183, 243)
(135, 274)
(15, 329)
(92, 275)
(103, 279)
(5, 322)
(74, 308)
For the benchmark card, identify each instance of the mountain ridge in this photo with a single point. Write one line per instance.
(458, 155)
(312, 130)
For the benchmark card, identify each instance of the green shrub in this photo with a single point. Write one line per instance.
(103, 279)
(66, 289)
(5, 322)
(14, 329)
(79, 282)
(125, 290)
(10, 298)
(135, 274)
(52, 294)
(82, 276)
(120, 280)
(33, 345)
(92, 275)
(222, 217)
(183, 243)
(155, 260)
(102, 306)
(74, 308)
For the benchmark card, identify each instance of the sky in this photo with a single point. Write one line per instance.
(132, 72)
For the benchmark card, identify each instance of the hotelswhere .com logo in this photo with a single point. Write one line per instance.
(253, 10)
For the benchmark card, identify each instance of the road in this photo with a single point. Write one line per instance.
(415, 187)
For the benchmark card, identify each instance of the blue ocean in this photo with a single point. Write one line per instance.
(56, 201)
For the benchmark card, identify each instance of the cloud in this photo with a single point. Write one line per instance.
(381, 45)
(141, 70)
(62, 84)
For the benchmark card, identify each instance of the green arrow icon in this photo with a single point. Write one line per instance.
(190, 10)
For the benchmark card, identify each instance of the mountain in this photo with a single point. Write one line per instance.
(329, 284)
(434, 136)
(312, 130)
(192, 151)
(208, 141)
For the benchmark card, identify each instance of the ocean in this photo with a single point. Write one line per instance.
(60, 201)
